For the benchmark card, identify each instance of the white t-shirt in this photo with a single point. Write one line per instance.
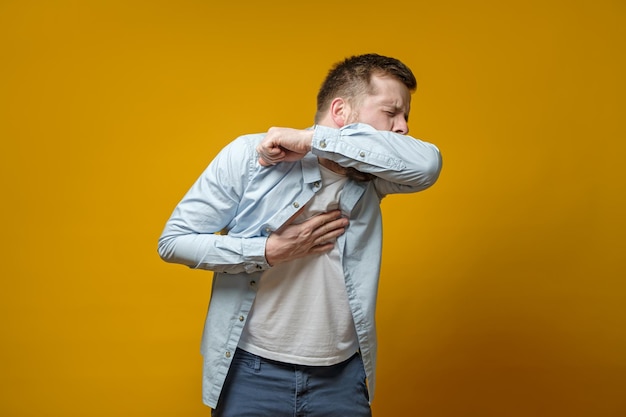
(301, 313)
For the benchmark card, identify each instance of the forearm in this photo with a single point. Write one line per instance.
(214, 252)
(192, 234)
(392, 157)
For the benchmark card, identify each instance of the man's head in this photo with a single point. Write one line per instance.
(355, 82)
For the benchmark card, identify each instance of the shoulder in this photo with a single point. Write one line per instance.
(246, 142)
(241, 149)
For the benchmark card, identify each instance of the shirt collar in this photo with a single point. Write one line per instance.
(310, 169)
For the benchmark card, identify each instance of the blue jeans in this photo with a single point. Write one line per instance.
(257, 387)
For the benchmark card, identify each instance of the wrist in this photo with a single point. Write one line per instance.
(308, 139)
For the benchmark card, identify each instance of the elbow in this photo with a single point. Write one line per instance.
(435, 167)
(165, 249)
(431, 168)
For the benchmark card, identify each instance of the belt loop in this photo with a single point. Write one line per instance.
(257, 362)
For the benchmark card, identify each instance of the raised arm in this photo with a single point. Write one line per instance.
(401, 164)
(231, 194)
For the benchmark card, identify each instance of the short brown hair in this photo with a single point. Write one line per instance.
(351, 77)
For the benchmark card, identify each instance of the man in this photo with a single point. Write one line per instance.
(290, 223)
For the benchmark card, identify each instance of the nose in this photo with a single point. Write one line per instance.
(400, 126)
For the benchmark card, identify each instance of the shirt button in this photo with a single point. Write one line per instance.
(362, 154)
(323, 144)
(252, 283)
(227, 354)
(240, 318)
(268, 230)
(296, 204)
(316, 184)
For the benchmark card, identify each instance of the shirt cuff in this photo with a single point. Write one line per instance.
(253, 250)
(323, 137)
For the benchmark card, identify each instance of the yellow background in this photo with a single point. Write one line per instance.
(503, 286)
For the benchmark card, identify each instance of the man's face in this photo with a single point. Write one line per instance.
(386, 107)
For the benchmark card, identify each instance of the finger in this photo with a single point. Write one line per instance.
(322, 248)
(324, 218)
(268, 147)
(264, 163)
(329, 233)
(270, 156)
(329, 227)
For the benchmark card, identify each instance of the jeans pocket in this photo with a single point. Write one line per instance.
(245, 360)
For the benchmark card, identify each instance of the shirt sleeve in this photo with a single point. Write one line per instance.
(194, 234)
(400, 163)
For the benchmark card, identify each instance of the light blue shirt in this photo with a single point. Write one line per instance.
(224, 220)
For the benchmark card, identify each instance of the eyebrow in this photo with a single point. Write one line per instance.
(397, 109)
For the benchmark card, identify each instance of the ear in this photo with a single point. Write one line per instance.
(339, 111)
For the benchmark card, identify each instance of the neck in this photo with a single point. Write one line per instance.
(332, 165)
